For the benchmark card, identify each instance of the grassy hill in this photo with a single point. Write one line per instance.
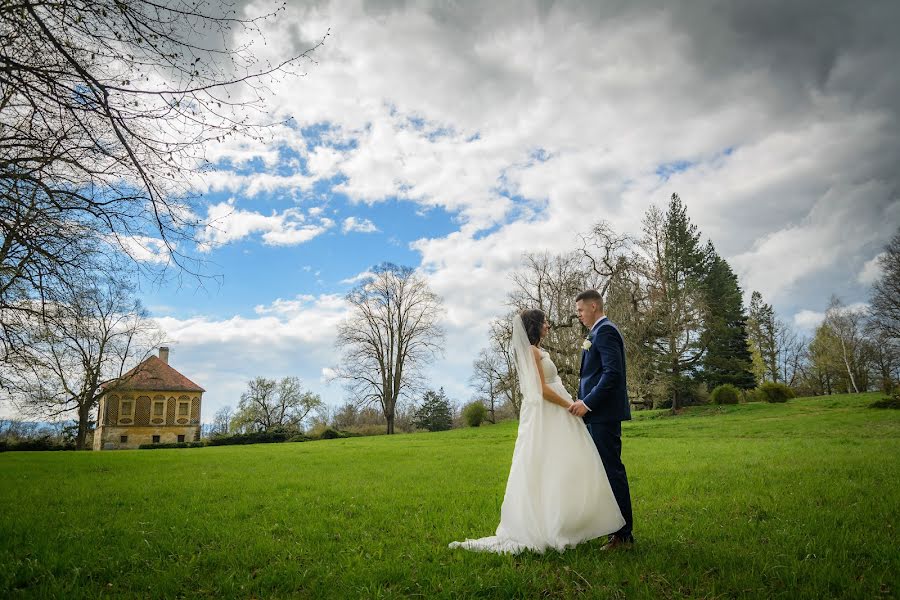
(759, 501)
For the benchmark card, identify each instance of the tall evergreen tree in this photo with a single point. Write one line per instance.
(762, 330)
(675, 269)
(727, 358)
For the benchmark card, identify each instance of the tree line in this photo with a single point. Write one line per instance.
(687, 330)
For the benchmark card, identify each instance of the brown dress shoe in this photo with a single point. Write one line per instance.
(616, 543)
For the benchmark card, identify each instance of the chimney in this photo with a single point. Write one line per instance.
(164, 354)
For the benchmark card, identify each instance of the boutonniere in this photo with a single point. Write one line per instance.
(586, 344)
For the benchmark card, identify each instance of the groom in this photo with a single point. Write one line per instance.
(604, 401)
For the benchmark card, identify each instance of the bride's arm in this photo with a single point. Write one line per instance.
(549, 394)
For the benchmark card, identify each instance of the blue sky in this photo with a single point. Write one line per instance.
(254, 273)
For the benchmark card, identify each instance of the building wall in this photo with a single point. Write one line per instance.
(142, 425)
(110, 437)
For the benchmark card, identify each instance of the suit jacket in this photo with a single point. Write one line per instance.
(602, 377)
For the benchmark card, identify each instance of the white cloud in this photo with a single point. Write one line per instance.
(871, 271)
(146, 249)
(359, 277)
(287, 337)
(226, 224)
(574, 153)
(358, 225)
(808, 319)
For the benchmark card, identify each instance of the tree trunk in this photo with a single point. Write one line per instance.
(84, 418)
(847, 364)
(673, 350)
(390, 425)
(493, 401)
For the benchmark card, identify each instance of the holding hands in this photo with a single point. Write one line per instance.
(579, 408)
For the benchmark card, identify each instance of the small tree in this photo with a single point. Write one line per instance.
(269, 404)
(474, 413)
(487, 377)
(847, 327)
(221, 424)
(763, 331)
(435, 414)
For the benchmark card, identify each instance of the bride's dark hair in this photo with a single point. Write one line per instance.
(533, 320)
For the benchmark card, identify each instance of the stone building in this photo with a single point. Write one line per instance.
(151, 404)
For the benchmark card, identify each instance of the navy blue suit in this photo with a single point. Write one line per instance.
(602, 388)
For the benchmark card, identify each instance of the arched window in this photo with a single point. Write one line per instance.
(158, 410)
(183, 412)
(126, 411)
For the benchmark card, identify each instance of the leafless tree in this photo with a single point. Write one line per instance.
(507, 383)
(550, 283)
(885, 356)
(96, 334)
(886, 291)
(106, 108)
(392, 332)
(221, 424)
(847, 327)
(269, 404)
(489, 372)
(607, 255)
(790, 351)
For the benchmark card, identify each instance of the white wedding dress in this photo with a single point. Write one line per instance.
(557, 494)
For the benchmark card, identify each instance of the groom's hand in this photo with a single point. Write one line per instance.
(579, 409)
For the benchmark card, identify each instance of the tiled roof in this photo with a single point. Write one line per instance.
(153, 374)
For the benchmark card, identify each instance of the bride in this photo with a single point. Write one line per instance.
(557, 494)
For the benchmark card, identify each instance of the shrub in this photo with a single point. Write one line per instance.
(330, 434)
(259, 437)
(298, 438)
(662, 403)
(370, 429)
(888, 402)
(474, 414)
(697, 394)
(41, 444)
(775, 392)
(725, 394)
(171, 445)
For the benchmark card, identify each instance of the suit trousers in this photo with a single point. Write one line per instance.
(608, 439)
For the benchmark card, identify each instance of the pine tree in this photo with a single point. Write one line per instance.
(435, 413)
(676, 262)
(727, 358)
(762, 330)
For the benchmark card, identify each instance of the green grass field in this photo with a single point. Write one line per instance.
(799, 500)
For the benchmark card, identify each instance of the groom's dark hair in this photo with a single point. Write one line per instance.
(533, 320)
(591, 296)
